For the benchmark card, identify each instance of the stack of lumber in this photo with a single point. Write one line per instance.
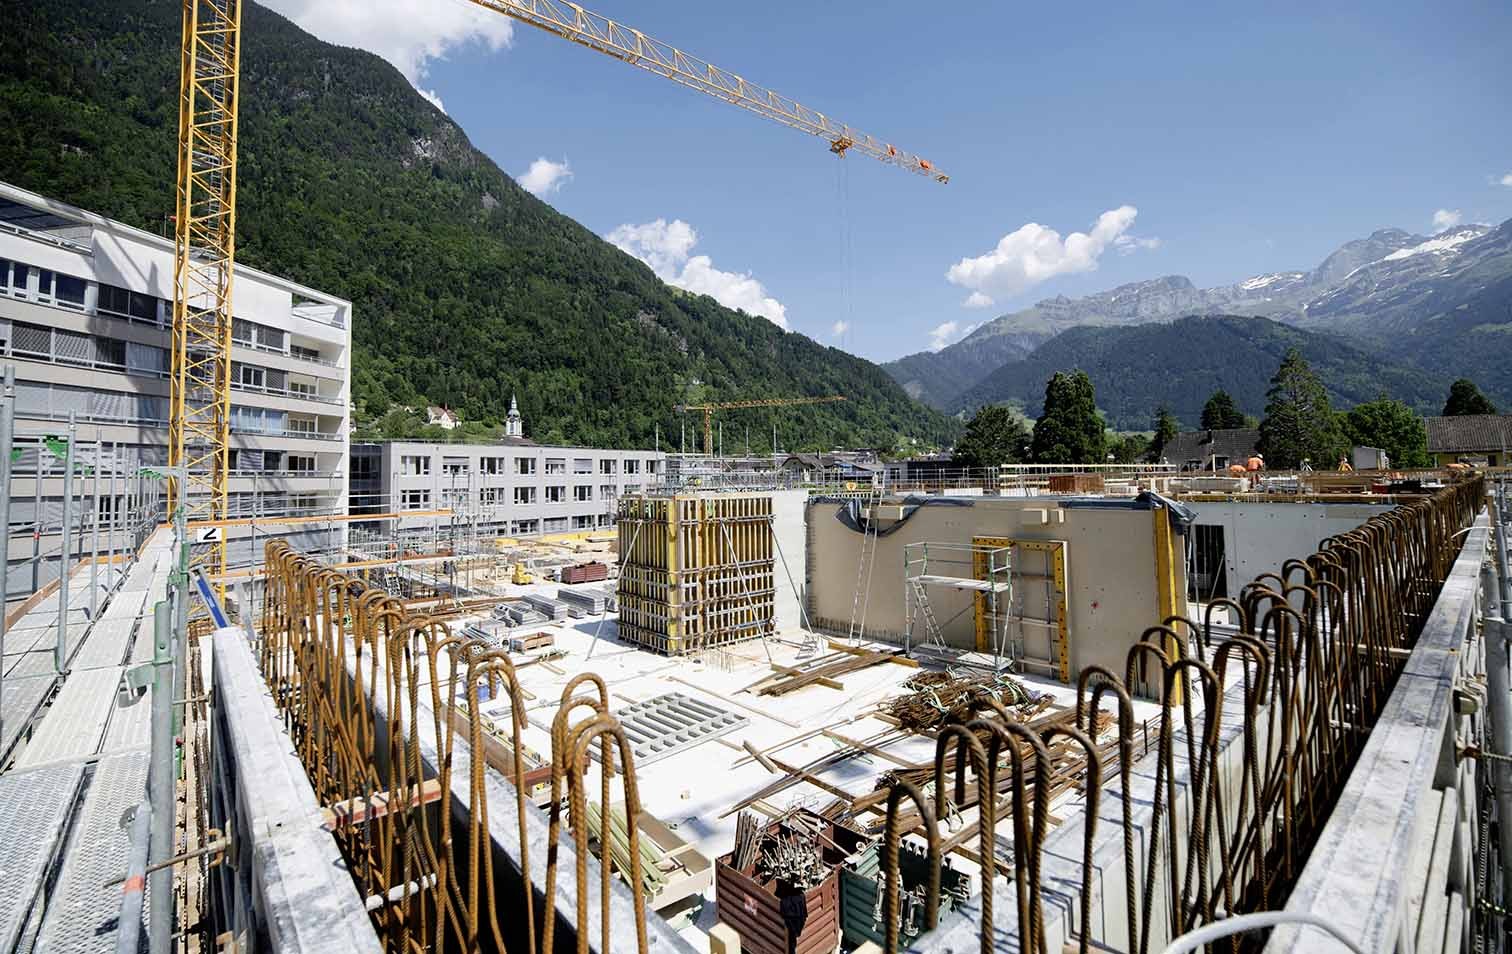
(825, 670)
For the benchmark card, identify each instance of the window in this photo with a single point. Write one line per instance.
(652, 466)
(632, 466)
(302, 463)
(525, 526)
(18, 277)
(491, 465)
(524, 495)
(606, 492)
(605, 520)
(556, 465)
(127, 304)
(582, 522)
(454, 466)
(632, 488)
(303, 353)
(414, 499)
(608, 467)
(300, 389)
(414, 465)
(554, 524)
(248, 376)
(582, 493)
(455, 498)
(582, 465)
(525, 466)
(302, 503)
(69, 290)
(556, 494)
(5, 271)
(301, 425)
(492, 496)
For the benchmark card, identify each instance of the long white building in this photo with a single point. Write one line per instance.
(85, 317)
(514, 487)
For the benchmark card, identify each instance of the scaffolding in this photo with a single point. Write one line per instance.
(984, 570)
(696, 571)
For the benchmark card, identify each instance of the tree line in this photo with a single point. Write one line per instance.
(1298, 425)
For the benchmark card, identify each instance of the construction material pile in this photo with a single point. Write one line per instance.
(940, 697)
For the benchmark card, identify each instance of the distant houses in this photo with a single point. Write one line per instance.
(1212, 450)
(1471, 437)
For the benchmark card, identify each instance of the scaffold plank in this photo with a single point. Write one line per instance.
(106, 644)
(29, 838)
(75, 723)
(84, 907)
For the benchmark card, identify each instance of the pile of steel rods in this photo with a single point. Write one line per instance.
(936, 701)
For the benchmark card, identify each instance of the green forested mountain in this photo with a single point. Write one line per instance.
(465, 287)
(1137, 370)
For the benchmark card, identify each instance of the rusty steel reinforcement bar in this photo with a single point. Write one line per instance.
(368, 691)
(1221, 818)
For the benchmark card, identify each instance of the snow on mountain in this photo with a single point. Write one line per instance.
(1266, 281)
(1443, 242)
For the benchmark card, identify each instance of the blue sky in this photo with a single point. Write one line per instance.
(1209, 140)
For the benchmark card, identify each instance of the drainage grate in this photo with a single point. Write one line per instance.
(666, 724)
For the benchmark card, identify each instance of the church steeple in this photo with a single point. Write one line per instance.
(514, 425)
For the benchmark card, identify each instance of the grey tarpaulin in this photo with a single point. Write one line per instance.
(1181, 515)
(851, 516)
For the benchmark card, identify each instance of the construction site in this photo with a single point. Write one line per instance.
(762, 703)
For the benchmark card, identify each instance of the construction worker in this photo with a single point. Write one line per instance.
(1255, 464)
(1344, 465)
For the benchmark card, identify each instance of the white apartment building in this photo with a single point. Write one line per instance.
(511, 488)
(85, 317)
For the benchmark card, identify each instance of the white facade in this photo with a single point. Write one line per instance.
(86, 315)
(512, 488)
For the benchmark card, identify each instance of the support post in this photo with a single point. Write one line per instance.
(7, 435)
(160, 779)
(94, 556)
(37, 518)
(178, 582)
(60, 651)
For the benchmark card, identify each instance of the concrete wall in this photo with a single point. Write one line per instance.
(1259, 537)
(1112, 593)
(791, 534)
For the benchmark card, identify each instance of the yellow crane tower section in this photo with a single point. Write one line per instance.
(709, 409)
(203, 260)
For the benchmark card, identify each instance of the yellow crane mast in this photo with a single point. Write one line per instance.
(204, 255)
(205, 215)
(709, 409)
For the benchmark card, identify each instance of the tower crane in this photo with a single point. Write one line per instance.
(205, 214)
(709, 409)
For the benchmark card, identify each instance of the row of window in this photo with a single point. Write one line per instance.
(419, 465)
(59, 345)
(50, 287)
(420, 499)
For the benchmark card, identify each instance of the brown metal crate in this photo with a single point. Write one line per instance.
(585, 573)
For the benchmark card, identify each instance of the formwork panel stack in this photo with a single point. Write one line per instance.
(696, 570)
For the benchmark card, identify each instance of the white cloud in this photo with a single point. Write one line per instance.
(544, 176)
(1129, 244)
(839, 328)
(407, 34)
(1446, 219)
(1034, 253)
(948, 333)
(1506, 180)
(667, 246)
(977, 300)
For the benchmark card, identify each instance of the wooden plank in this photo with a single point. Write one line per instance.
(354, 811)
